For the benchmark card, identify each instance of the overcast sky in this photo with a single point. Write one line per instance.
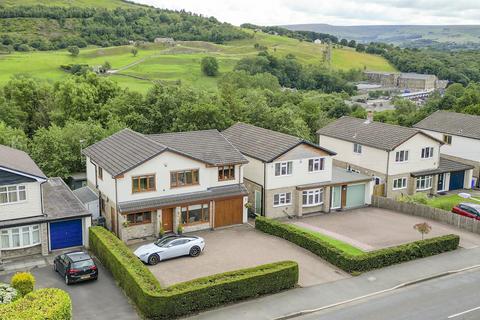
(336, 12)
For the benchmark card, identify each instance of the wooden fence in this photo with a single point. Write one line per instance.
(421, 210)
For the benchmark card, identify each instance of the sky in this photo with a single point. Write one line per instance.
(335, 12)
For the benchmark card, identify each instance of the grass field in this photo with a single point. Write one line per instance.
(448, 202)
(181, 62)
(108, 4)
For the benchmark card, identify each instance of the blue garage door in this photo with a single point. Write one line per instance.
(456, 180)
(64, 234)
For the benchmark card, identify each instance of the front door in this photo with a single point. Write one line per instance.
(344, 196)
(167, 219)
(258, 202)
(336, 197)
(441, 182)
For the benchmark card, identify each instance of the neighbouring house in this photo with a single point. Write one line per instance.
(402, 160)
(461, 136)
(288, 176)
(152, 183)
(37, 214)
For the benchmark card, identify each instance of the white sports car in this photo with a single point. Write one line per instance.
(170, 247)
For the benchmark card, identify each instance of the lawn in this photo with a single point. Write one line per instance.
(448, 202)
(181, 62)
(343, 246)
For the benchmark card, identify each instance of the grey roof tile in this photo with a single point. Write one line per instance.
(446, 165)
(177, 199)
(460, 124)
(370, 133)
(85, 194)
(59, 202)
(263, 144)
(19, 161)
(208, 146)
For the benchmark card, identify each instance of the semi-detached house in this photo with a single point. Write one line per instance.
(149, 183)
(461, 136)
(402, 160)
(288, 176)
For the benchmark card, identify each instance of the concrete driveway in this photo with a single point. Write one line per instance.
(243, 247)
(94, 300)
(375, 228)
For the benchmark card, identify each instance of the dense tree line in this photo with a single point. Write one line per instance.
(300, 35)
(93, 26)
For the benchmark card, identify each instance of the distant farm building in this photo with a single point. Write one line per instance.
(169, 41)
(408, 81)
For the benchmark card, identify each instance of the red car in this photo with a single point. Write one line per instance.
(470, 210)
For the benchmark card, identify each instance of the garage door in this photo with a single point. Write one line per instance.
(456, 180)
(64, 234)
(355, 196)
(228, 212)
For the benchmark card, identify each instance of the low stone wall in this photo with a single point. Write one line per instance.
(428, 212)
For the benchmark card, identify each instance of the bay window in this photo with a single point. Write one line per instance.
(312, 197)
(20, 237)
(424, 183)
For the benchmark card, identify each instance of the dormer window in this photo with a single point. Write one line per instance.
(12, 194)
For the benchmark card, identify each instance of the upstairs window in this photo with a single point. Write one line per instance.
(447, 139)
(226, 173)
(143, 183)
(12, 194)
(357, 148)
(283, 168)
(401, 156)
(184, 178)
(316, 164)
(427, 152)
(100, 173)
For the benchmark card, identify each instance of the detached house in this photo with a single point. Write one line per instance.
(402, 160)
(461, 136)
(147, 183)
(37, 214)
(288, 176)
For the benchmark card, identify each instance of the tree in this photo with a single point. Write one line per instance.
(344, 42)
(106, 66)
(352, 43)
(134, 51)
(74, 50)
(210, 66)
(424, 228)
(12, 137)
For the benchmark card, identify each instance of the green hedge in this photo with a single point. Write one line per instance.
(42, 304)
(358, 263)
(156, 302)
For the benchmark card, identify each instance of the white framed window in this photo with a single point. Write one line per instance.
(427, 152)
(424, 183)
(400, 183)
(312, 197)
(19, 237)
(447, 139)
(11, 194)
(316, 164)
(283, 168)
(401, 156)
(282, 199)
(357, 148)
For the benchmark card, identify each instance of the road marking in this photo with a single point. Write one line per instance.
(462, 313)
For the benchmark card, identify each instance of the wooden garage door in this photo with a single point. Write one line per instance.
(228, 212)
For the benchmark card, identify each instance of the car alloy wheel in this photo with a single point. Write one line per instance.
(194, 251)
(153, 259)
(55, 267)
(67, 281)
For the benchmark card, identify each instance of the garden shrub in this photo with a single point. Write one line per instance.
(183, 298)
(24, 282)
(358, 263)
(42, 304)
(7, 293)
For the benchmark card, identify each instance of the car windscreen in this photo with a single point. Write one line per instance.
(164, 242)
(83, 264)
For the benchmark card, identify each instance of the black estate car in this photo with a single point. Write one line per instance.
(75, 266)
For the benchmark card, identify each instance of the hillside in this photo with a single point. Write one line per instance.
(107, 4)
(437, 36)
(180, 62)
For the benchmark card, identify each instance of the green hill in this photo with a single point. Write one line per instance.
(107, 4)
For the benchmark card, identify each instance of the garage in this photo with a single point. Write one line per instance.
(456, 180)
(228, 212)
(65, 234)
(355, 195)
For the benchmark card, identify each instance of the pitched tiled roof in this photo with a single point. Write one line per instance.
(177, 199)
(370, 133)
(460, 124)
(85, 194)
(59, 202)
(123, 151)
(208, 146)
(263, 144)
(446, 165)
(19, 161)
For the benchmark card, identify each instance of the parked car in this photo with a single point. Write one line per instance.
(470, 210)
(170, 247)
(75, 267)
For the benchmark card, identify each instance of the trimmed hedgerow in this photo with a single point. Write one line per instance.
(24, 282)
(191, 296)
(42, 304)
(363, 262)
